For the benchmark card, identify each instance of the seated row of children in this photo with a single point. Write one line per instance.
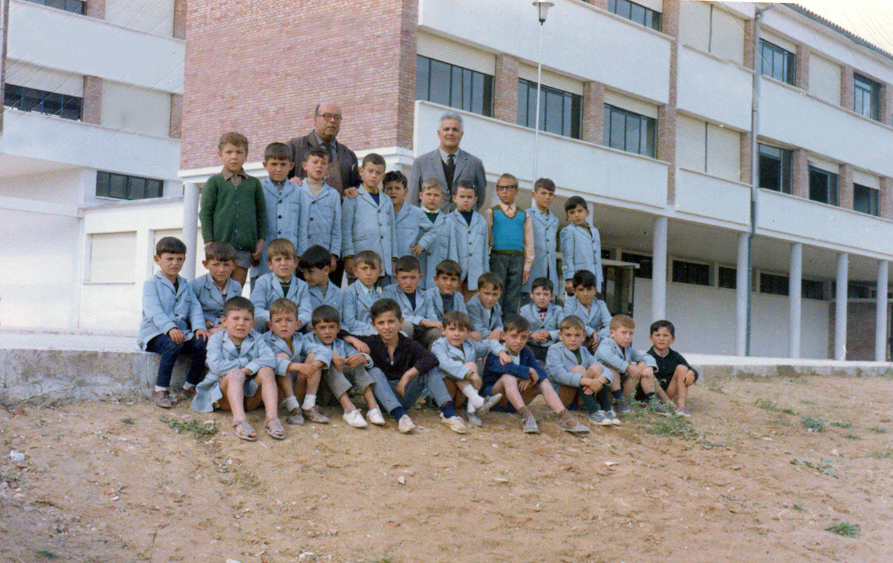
(379, 331)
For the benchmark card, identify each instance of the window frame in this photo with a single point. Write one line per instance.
(650, 19)
(461, 97)
(647, 133)
(785, 160)
(866, 90)
(771, 283)
(570, 114)
(873, 199)
(831, 188)
(645, 262)
(24, 98)
(787, 71)
(112, 185)
(78, 7)
(687, 263)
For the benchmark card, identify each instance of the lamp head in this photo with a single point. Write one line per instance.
(542, 8)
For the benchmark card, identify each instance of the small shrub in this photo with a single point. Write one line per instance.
(128, 420)
(842, 424)
(198, 429)
(844, 529)
(852, 436)
(878, 429)
(813, 424)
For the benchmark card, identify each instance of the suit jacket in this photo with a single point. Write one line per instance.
(283, 214)
(333, 296)
(211, 299)
(357, 318)
(437, 302)
(435, 249)
(545, 244)
(610, 354)
(484, 321)
(468, 245)
(366, 225)
(408, 223)
(166, 308)
(581, 250)
(452, 359)
(347, 160)
(303, 344)
(429, 165)
(560, 361)
(423, 310)
(320, 219)
(223, 356)
(597, 319)
(268, 289)
(553, 318)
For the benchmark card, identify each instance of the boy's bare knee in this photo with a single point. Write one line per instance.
(283, 356)
(594, 370)
(578, 369)
(265, 374)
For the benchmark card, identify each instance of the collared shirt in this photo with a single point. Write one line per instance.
(444, 156)
(236, 178)
(331, 147)
(408, 354)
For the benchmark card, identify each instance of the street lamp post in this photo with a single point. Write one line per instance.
(542, 9)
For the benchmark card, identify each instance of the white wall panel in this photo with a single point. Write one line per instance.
(112, 257)
(723, 152)
(156, 17)
(135, 109)
(711, 198)
(46, 79)
(718, 91)
(866, 179)
(824, 79)
(460, 54)
(690, 143)
(694, 25)
(727, 39)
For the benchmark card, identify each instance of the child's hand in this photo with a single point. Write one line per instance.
(338, 362)
(476, 336)
(356, 360)
(415, 249)
(534, 377)
(505, 358)
(333, 263)
(595, 341)
(361, 346)
(540, 336)
(348, 266)
(258, 250)
(401, 385)
(495, 335)
(209, 325)
(201, 333)
(296, 181)
(176, 335)
(524, 385)
(305, 371)
(350, 193)
(525, 275)
(569, 287)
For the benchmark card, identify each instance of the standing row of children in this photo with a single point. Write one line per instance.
(413, 340)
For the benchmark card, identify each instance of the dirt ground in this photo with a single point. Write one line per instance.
(745, 481)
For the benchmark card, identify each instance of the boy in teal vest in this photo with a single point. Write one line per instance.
(511, 243)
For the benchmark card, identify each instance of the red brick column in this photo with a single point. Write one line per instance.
(746, 175)
(800, 174)
(594, 112)
(801, 64)
(846, 87)
(886, 103)
(505, 102)
(750, 47)
(179, 31)
(666, 115)
(96, 9)
(409, 41)
(92, 110)
(603, 4)
(845, 186)
(176, 115)
(885, 205)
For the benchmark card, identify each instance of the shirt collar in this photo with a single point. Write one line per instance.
(320, 142)
(227, 175)
(445, 155)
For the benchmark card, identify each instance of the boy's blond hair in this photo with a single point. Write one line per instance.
(233, 138)
(456, 319)
(431, 183)
(281, 247)
(571, 321)
(624, 321)
(283, 305)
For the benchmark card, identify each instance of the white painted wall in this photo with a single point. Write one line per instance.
(155, 17)
(710, 198)
(824, 79)
(723, 152)
(46, 79)
(64, 187)
(718, 91)
(135, 109)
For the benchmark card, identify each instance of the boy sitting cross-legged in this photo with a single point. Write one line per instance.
(543, 316)
(280, 282)
(299, 363)
(405, 367)
(215, 287)
(578, 375)
(361, 294)
(418, 313)
(673, 373)
(457, 354)
(585, 304)
(347, 369)
(522, 379)
(443, 295)
(630, 368)
(240, 362)
(484, 309)
(173, 322)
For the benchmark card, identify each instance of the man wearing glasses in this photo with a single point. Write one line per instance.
(344, 174)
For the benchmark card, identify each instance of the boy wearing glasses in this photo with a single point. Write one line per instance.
(511, 243)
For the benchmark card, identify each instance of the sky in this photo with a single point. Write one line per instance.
(871, 20)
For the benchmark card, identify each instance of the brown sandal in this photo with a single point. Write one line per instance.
(274, 429)
(243, 430)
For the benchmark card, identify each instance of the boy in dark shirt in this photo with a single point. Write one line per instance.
(673, 373)
(403, 369)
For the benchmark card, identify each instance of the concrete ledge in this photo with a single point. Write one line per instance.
(735, 366)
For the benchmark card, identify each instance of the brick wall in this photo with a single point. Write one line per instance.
(176, 125)
(800, 174)
(845, 186)
(92, 110)
(886, 108)
(801, 63)
(885, 203)
(594, 112)
(260, 67)
(666, 115)
(505, 97)
(750, 44)
(179, 31)
(96, 9)
(860, 330)
(846, 87)
(746, 154)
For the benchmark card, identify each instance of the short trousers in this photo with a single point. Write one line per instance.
(243, 259)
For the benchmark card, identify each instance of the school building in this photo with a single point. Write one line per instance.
(647, 113)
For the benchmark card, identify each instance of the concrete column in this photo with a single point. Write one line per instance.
(801, 67)
(746, 172)
(800, 174)
(742, 288)
(505, 97)
(795, 294)
(845, 186)
(846, 87)
(594, 112)
(659, 270)
(92, 108)
(840, 307)
(190, 227)
(880, 318)
(885, 203)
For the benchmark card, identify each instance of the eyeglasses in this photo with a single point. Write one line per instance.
(329, 116)
(503, 188)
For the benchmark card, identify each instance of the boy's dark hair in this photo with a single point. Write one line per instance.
(544, 283)
(464, 184)
(219, 250)
(395, 176)
(283, 305)
(279, 151)
(280, 247)
(316, 151)
(624, 321)
(515, 322)
(584, 278)
(325, 314)
(571, 321)
(544, 183)
(491, 279)
(315, 257)
(448, 267)
(238, 303)
(457, 319)
(657, 325)
(407, 263)
(383, 306)
(373, 158)
(170, 245)
(574, 201)
(233, 138)
(368, 257)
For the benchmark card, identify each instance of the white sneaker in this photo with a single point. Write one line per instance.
(475, 420)
(455, 423)
(374, 416)
(613, 417)
(489, 403)
(476, 402)
(355, 419)
(405, 425)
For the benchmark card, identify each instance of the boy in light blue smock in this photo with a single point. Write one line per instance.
(545, 236)
(283, 202)
(320, 220)
(585, 304)
(367, 221)
(581, 246)
(431, 249)
(468, 237)
(215, 287)
(280, 282)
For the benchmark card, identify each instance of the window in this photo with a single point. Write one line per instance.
(776, 62)
(728, 277)
(454, 86)
(859, 291)
(120, 186)
(50, 103)
(775, 168)
(865, 199)
(812, 289)
(822, 186)
(630, 132)
(866, 97)
(773, 284)
(73, 6)
(645, 264)
(632, 11)
(560, 112)
(691, 272)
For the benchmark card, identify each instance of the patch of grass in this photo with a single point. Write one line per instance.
(878, 429)
(800, 381)
(798, 506)
(128, 420)
(823, 466)
(807, 402)
(813, 424)
(668, 426)
(767, 404)
(198, 429)
(780, 422)
(714, 385)
(789, 411)
(844, 529)
(47, 553)
(842, 424)
(852, 436)
(882, 454)
(761, 532)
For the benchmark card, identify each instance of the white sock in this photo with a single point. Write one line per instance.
(157, 389)
(474, 400)
(290, 403)
(188, 386)
(309, 402)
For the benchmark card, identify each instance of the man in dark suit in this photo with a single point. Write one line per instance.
(344, 174)
(449, 164)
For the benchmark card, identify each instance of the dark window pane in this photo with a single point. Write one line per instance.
(488, 95)
(522, 103)
(52, 104)
(455, 86)
(121, 186)
(612, 6)
(655, 21)
(102, 184)
(728, 277)
(72, 108)
(618, 131)
(440, 83)
(32, 99)
(770, 173)
(118, 186)
(645, 264)
(576, 117)
(812, 289)
(137, 188)
(421, 78)
(154, 188)
(633, 135)
(688, 272)
(865, 199)
(623, 8)
(637, 13)
(553, 112)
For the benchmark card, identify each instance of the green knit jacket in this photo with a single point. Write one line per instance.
(234, 215)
